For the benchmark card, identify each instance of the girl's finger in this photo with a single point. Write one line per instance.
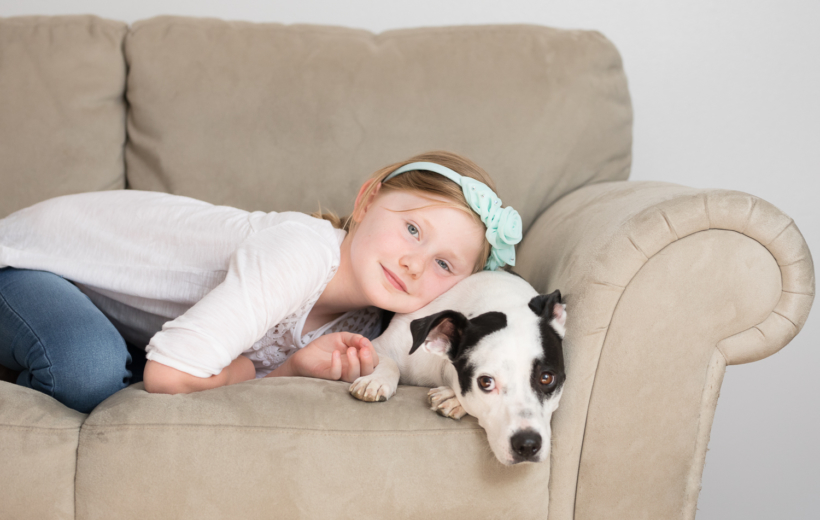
(335, 366)
(366, 361)
(367, 345)
(353, 370)
(350, 339)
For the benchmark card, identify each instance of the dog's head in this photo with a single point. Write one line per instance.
(510, 368)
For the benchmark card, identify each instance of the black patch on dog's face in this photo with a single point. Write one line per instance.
(551, 345)
(479, 327)
(464, 335)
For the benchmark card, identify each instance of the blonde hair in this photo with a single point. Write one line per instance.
(425, 182)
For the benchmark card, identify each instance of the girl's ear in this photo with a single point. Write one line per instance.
(361, 206)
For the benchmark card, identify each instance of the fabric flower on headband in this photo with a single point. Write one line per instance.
(504, 228)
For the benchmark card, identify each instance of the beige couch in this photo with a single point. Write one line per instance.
(665, 285)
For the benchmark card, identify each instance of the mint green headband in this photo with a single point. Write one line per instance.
(503, 224)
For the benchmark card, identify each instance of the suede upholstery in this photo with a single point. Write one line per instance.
(38, 454)
(703, 278)
(272, 117)
(62, 112)
(266, 447)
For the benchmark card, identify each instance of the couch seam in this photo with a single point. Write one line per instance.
(197, 22)
(646, 258)
(801, 259)
(12, 427)
(751, 214)
(669, 224)
(700, 416)
(791, 222)
(799, 293)
(608, 284)
(185, 21)
(68, 19)
(253, 429)
(785, 318)
(76, 466)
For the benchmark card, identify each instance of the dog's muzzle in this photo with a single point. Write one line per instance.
(525, 445)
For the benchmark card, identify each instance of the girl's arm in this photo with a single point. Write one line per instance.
(269, 276)
(162, 379)
(341, 355)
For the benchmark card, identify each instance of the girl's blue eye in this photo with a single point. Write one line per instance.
(443, 265)
(413, 230)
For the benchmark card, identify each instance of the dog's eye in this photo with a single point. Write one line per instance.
(486, 383)
(547, 378)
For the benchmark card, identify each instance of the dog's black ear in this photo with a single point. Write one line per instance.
(439, 331)
(545, 302)
(551, 308)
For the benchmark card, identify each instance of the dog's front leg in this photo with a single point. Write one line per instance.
(443, 401)
(380, 385)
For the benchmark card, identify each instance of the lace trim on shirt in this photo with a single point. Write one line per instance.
(279, 342)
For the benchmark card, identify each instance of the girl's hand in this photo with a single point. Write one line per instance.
(340, 355)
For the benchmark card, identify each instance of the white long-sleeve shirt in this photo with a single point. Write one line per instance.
(218, 281)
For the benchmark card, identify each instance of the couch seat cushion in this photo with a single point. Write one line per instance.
(38, 453)
(293, 448)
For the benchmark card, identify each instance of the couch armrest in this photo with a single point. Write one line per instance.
(665, 285)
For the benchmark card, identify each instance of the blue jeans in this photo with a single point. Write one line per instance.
(61, 344)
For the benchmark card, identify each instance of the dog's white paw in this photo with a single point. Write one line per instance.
(372, 388)
(444, 402)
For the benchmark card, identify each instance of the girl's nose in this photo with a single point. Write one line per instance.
(414, 264)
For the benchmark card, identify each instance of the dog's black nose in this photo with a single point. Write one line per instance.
(526, 444)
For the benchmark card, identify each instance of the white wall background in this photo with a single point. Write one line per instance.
(726, 95)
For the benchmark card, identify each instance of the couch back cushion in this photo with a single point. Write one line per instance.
(62, 107)
(273, 117)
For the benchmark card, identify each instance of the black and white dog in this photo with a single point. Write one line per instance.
(491, 347)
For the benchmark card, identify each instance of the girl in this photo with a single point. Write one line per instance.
(247, 294)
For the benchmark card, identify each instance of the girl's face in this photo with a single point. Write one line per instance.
(406, 251)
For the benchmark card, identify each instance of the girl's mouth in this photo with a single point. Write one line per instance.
(394, 280)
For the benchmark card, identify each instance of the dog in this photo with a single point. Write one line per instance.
(490, 347)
